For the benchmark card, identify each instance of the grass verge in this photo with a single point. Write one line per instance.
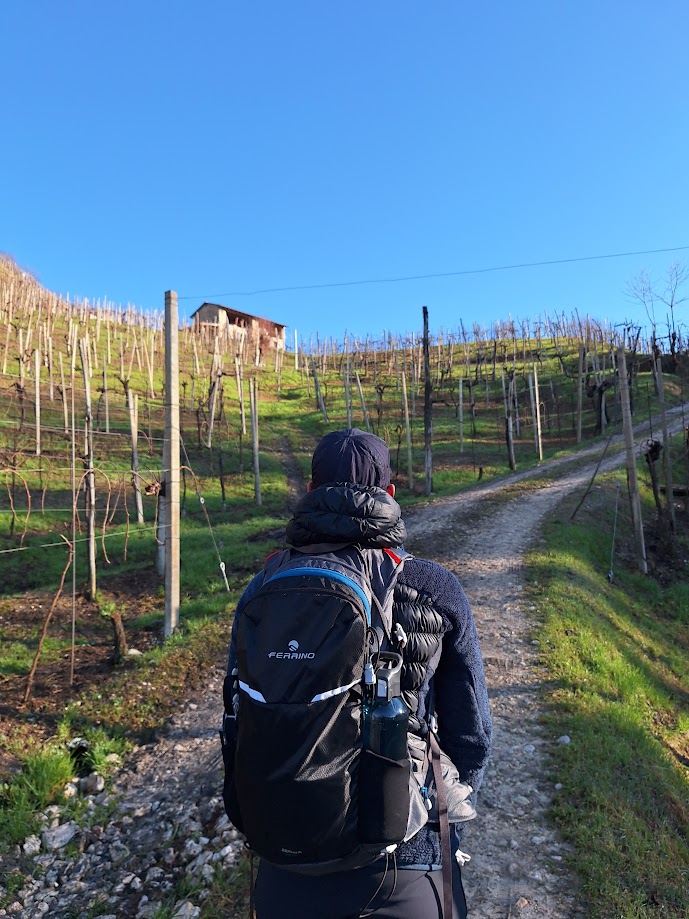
(617, 657)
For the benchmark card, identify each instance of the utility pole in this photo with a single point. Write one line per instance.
(171, 471)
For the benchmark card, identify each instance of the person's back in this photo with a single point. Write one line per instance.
(350, 502)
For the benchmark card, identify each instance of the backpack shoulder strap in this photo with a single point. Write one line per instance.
(384, 568)
(274, 562)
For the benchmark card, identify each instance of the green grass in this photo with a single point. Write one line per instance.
(617, 659)
(230, 892)
(39, 784)
(16, 657)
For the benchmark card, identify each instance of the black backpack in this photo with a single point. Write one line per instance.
(298, 782)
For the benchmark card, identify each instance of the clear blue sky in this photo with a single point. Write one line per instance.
(218, 147)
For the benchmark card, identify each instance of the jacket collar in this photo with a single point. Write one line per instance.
(343, 513)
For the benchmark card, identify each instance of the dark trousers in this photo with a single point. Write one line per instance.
(349, 894)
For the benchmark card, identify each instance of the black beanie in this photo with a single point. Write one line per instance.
(352, 456)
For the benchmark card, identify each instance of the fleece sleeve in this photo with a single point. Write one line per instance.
(460, 693)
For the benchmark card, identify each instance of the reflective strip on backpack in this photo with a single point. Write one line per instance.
(254, 693)
(334, 692)
(327, 573)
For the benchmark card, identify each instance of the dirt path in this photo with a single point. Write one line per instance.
(517, 858)
(166, 822)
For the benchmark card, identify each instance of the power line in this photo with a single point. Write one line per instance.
(441, 274)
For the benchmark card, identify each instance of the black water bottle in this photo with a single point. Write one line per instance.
(386, 717)
(385, 765)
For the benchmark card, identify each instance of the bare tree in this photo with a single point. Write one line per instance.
(654, 295)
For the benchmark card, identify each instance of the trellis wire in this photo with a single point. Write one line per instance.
(50, 545)
(614, 531)
(202, 502)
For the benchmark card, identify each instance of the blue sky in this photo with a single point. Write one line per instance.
(220, 147)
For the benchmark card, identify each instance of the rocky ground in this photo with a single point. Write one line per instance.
(162, 820)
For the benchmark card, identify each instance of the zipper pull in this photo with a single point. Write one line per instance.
(400, 635)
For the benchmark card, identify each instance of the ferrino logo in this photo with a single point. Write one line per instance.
(294, 654)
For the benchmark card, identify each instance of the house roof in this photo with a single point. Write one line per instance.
(233, 312)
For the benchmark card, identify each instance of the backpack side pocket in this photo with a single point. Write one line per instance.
(228, 743)
(383, 798)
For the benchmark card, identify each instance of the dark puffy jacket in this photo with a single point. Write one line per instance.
(442, 670)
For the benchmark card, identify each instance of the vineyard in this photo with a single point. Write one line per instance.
(81, 443)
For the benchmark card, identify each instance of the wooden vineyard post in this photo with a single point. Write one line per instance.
(216, 377)
(537, 400)
(460, 414)
(37, 392)
(253, 405)
(149, 365)
(93, 363)
(296, 351)
(171, 464)
(105, 398)
(133, 404)
(427, 408)
(532, 400)
(64, 394)
(631, 463)
(580, 390)
(515, 402)
(21, 357)
(197, 368)
(7, 348)
(348, 389)
(307, 374)
(240, 392)
(363, 402)
(50, 370)
(407, 427)
(90, 477)
(507, 398)
(667, 459)
(319, 394)
(137, 351)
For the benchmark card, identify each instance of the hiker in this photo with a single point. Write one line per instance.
(348, 510)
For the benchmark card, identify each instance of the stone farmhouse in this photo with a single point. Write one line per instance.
(227, 322)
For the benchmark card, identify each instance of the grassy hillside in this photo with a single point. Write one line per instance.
(40, 512)
(78, 687)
